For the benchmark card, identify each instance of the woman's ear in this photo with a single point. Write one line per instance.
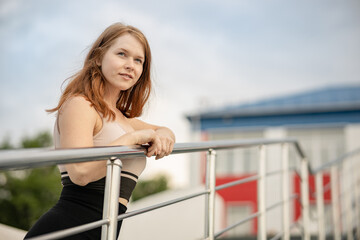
(97, 57)
(98, 62)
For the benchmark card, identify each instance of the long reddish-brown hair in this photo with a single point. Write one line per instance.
(90, 82)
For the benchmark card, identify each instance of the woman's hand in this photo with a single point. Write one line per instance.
(161, 144)
(160, 141)
(165, 145)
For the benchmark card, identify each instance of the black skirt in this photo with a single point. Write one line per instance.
(77, 205)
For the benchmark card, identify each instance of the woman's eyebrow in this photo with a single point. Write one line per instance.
(123, 49)
(140, 57)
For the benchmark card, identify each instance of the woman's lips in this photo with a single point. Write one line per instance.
(126, 76)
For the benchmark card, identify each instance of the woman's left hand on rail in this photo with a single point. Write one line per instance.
(165, 144)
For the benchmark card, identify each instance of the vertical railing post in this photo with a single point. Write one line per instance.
(207, 187)
(347, 198)
(320, 205)
(305, 197)
(104, 228)
(261, 194)
(285, 191)
(356, 196)
(211, 203)
(335, 202)
(111, 198)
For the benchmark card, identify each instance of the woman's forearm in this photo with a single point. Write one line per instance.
(164, 131)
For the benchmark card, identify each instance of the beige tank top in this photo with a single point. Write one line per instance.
(111, 130)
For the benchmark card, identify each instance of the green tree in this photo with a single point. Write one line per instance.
(6, 143)
(42, 139)
(26, 194)
(145, 188)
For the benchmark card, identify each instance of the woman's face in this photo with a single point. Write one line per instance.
(122, 64)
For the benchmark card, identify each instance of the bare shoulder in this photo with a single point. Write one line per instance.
(77, 107)
(77, 102)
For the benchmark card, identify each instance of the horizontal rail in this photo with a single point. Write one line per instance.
(170, 202)
(270, 173)
(45, 157)
(277, 236)
(237, 182)
(71, 231)
(280, 234)
(245, 180)
(160, 205)
(326, 188)
(252, 216)
(281, 202)
(10, 159)
(334, 162)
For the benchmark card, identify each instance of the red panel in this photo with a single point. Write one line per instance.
(243, 193)
(297, 189)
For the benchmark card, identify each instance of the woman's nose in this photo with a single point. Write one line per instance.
(129, 64)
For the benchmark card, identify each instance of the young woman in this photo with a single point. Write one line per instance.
(99, 108)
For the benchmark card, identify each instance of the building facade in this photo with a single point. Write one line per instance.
(325, 121)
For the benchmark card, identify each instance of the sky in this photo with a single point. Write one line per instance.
(206, 55)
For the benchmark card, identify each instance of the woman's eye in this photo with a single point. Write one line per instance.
(138, 60)
(121, 54)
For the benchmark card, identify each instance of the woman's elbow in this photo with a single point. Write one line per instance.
(79, 179)
(83, 173)
(79, 175)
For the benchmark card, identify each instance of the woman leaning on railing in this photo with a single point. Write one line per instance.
(99, 108)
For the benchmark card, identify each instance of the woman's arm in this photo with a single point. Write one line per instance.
(78, 122)
(166, 137)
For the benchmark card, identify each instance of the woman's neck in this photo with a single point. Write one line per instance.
(111, 97)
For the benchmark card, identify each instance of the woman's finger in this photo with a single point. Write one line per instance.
(151, 151)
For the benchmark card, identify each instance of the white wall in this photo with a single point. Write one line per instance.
(352, 137)
(349, 172)
(274, 187)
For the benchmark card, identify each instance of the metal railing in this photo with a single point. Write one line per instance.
(351, 200)
(10, 160)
